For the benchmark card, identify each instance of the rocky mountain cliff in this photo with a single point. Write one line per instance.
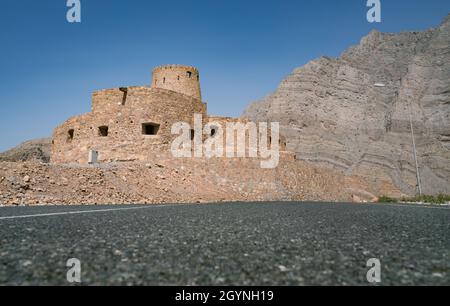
(353, 113)
(33, 150)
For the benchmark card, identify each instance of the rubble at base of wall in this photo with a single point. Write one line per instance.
(170, 180)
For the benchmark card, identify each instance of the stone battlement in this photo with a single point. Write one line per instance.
(176, 67)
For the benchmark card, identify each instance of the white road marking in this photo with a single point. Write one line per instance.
(171, 205)
(417, 206)
(80, 212)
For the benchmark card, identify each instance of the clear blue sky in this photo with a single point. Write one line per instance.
(243, 48)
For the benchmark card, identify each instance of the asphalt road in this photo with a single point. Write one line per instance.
(226, 244)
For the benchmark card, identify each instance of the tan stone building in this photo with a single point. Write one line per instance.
(133, 123)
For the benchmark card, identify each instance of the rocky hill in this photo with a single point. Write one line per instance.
(352, 113)
(33, 150)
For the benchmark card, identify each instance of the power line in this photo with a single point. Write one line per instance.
(419, 182)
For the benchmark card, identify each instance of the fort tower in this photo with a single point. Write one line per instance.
(178, 78)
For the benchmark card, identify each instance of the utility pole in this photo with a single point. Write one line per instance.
(419, 182)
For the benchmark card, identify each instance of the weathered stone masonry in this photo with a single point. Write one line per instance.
(133, 123)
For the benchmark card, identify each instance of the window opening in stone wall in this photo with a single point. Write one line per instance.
(150, 129)
(189, 74)
(103, 131)
(125, 94)
(192, 134)
(70, 134)
(214, 131)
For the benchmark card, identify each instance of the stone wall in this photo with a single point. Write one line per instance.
(224, 121)
(182, 79)
(135, 123)
(116, 128)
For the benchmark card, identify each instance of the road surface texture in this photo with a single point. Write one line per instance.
(226, 244)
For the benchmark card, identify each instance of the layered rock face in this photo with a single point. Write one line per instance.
(353, 113)
(33, 150)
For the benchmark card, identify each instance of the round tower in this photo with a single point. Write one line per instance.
(179, 78)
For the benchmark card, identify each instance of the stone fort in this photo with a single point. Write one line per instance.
(134, 123)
